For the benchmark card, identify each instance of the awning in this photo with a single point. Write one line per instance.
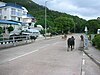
(21, 23)
(8, 22)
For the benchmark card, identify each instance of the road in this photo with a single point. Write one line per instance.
(47, 57)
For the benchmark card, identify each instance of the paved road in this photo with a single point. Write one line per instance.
(46, 57)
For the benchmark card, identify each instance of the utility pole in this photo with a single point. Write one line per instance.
(46, 17)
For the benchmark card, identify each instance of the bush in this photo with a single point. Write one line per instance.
(1, 30)
(10, 28)
(33, 37)
(96, 40)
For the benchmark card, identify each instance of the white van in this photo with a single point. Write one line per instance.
(15, 32)
(31, 32)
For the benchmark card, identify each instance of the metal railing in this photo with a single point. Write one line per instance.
(15, 40)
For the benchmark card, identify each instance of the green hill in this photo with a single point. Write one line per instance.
(38, 12)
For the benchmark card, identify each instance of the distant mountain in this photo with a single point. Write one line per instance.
(38, 12)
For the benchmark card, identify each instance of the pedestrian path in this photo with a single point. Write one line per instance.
(93, 52)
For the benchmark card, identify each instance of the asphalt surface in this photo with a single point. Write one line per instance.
(47, 57)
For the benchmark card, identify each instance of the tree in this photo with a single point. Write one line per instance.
(10, 28)
(1, 30)
(79, 24)
(93, 25)
(64, 24)
(38, 12)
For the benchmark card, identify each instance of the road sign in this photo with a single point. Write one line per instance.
(86, 29)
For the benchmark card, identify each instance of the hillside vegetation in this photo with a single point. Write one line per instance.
(55, 19)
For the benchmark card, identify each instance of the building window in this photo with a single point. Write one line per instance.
(0, 17)
(19, 13)
(0, 11)
(24, 13)
(13, 11)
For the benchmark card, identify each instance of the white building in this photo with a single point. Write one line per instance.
(16, 13)
(11, 11)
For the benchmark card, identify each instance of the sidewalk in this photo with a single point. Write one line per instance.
(93, 53)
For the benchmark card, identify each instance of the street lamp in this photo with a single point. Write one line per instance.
(46, 17)
(74, 28)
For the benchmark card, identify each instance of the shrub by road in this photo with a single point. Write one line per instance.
(96, 41)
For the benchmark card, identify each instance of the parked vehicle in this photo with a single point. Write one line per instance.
(32, 33)
(15, 32)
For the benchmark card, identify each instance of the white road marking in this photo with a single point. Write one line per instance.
(83, 61)
(55, 43)
(30, 52)
(83, 72)
(83, 54)
(23, 55)
(44, 46)
(83, 64)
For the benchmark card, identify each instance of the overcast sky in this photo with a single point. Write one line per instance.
(86, 9)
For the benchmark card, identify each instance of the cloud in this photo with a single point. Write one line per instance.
(85, 9)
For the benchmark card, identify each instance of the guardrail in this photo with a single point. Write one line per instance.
(15, 40)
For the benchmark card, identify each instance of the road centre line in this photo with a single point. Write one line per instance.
(83, 61)
(27, 53)
(44, 46)
(23, 55)
(30, 52)
(83, 64)
(83, 54)
(83, 72)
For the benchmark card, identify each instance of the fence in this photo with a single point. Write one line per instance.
(14, 41)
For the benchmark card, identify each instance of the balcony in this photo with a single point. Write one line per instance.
(18, 14)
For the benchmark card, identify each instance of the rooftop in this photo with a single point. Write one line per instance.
(13, 5)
